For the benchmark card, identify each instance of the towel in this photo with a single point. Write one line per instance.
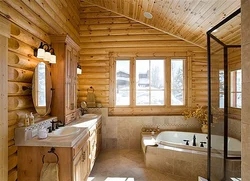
(91, 99)
(49, 172)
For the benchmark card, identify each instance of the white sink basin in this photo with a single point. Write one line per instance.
(89, 116)
(65, 131)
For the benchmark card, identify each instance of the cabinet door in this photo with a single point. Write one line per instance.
(80, 165)
(99, 140)
(77, 167)
(69, 107)
(92, 149)
(73, 94)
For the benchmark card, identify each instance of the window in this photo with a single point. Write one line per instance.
(150, 82)
(122, 82)
(177, 82)
(221, 88)
(235, 88)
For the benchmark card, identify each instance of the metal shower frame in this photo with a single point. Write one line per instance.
(210, 116)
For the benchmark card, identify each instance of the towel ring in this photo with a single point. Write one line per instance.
(91, 88)
(52, 150)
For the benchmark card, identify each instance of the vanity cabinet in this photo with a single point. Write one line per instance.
(81, 164)
(75, 163)
(64, 78)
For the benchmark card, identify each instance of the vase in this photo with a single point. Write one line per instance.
(204, 128)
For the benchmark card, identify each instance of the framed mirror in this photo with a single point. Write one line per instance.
(42, 89)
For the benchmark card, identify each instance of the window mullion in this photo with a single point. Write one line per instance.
(132, 82)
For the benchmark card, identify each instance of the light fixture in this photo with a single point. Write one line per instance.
(148, 15)
(40, 51)
(52, 56)
(45, 52)
(79, 69)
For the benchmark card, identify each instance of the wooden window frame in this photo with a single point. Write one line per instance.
(134, 109)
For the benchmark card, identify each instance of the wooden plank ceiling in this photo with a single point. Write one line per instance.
(185, 19)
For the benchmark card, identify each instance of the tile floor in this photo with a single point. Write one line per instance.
(126, 165)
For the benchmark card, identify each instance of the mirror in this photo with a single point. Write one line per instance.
(42, 89)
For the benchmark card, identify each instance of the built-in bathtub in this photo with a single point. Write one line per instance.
(168, 153)
(176, 139)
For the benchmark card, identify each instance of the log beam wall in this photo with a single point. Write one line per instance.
(103, 33)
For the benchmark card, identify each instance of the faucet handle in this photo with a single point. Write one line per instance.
(202, 143)
(187, 142)
(50, 129)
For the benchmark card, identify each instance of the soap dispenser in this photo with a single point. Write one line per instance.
(26, 120)
(32, 118)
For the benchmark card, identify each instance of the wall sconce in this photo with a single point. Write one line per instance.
(45, 52)
(79, 69)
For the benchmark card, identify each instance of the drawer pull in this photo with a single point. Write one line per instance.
(83, 156)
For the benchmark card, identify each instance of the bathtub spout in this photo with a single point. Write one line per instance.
(187, 142)
(194, 140)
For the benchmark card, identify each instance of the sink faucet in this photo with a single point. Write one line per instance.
(194, 140)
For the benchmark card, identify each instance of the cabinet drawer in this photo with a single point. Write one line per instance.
(79, 145)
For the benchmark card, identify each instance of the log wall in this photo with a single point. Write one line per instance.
(32, 22)
(21, 65)
(105, 35)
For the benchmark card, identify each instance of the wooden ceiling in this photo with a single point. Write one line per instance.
(185, 19)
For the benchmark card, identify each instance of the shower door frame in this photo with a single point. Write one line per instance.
(210, 116)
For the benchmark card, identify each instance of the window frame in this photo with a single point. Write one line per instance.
(167, 83)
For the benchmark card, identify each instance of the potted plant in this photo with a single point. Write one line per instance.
(201, 114)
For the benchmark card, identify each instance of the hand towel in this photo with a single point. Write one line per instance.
(49, 172)
(91, 99)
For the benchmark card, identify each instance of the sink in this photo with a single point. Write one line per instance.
(65, 131)
(89, 116)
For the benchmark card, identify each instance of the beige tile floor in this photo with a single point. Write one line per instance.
(126, 165)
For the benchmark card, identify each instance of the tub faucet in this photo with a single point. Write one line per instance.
(187, 142)
(194, 140)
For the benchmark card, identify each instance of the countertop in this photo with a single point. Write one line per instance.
(84, 124)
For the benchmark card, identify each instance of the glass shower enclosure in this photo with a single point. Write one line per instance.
(224, 97)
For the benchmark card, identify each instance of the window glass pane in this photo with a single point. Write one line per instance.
(238, 97)
(157, 97)
(157, 74)
(177, 97)
(149, 82)
(122, 82)
(221, 88)
(142, 97)
(142, 74)
(238, 81)
(177, 82)
(221, 100)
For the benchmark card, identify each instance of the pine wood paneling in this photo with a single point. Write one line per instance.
(104, 34)
(185, 19)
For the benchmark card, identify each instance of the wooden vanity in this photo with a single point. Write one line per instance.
(75, 162)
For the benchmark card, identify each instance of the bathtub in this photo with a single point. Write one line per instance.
(175, 139)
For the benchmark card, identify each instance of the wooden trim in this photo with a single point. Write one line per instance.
(168, 82)
(189, 82)
(112, 81)
(65, 39)
(4, 35)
